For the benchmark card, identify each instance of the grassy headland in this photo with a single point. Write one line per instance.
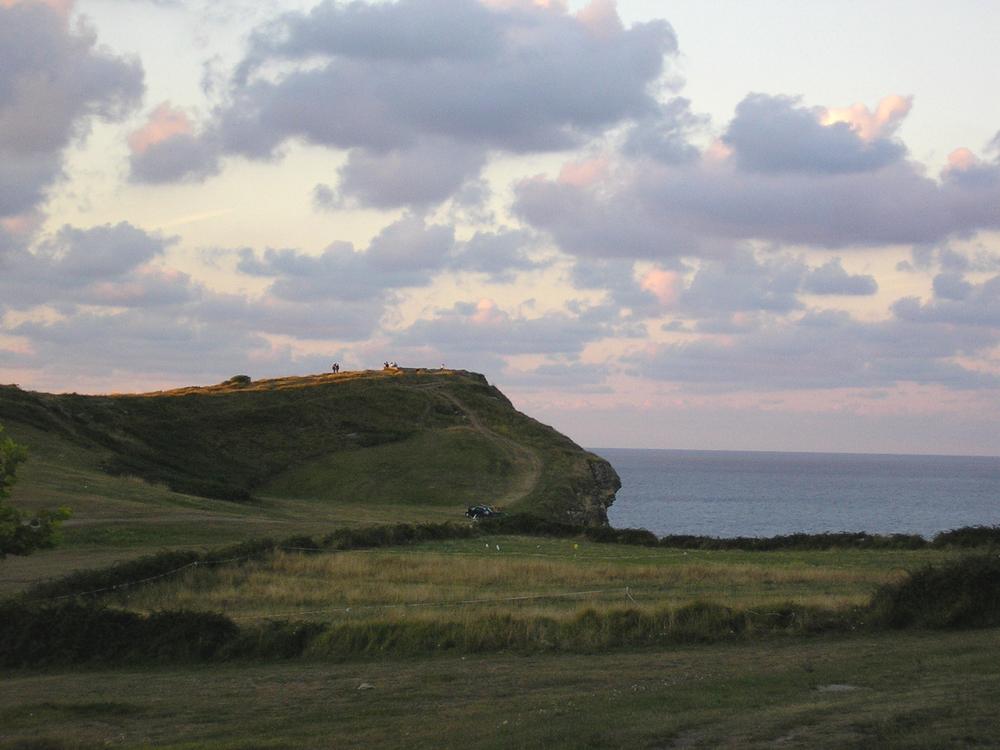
(522, 633)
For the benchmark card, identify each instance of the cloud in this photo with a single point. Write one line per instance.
(657, 211)
(823, 350)
(740, 282)
(777, 134)
(831, 278)
(406, 253)
(166, 149)
(666, 135)
(957, 303)
(498, 254)
(53, 79)
(871, 126)
(421, 92)
(484, 326)
(424, 174)
(104, 265)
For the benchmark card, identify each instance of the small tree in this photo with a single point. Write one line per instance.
(19, 534)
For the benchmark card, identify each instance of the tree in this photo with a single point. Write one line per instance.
(19, 534)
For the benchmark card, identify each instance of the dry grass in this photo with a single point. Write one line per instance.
(395, 584)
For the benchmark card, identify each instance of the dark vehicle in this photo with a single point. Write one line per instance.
(475, 512)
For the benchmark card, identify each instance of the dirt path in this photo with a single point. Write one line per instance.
(528, 465)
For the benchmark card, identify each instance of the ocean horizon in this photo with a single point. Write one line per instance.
(767, 493)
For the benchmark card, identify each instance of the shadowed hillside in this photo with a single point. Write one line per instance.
(434, 438)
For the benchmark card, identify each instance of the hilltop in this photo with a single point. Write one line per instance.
(427, 439)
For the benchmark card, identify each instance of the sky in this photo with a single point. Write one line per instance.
(705, 224)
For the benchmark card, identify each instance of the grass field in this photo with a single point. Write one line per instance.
(525, 576)
(911, 690)
(794, 688)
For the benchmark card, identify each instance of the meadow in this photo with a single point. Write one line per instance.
(523, 576)
(399, 624)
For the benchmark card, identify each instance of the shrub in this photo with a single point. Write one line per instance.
(961, 594)
(969, 536)
(70, 632)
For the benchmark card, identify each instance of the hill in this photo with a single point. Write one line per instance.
(427, 439)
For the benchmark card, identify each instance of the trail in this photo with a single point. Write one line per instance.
(528, 465)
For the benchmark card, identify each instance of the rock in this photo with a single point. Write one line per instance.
(366, 686)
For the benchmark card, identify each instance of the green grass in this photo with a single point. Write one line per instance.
(766, 688)
(526, 577)
(451, 468)
(368, 443)
(914, 690)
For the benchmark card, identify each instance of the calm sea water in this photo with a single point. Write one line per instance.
(728, 493)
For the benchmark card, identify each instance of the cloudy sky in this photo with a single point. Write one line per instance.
(765, 224)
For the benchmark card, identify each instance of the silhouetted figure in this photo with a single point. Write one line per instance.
(336, 367)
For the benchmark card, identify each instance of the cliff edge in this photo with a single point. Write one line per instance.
(441, 438)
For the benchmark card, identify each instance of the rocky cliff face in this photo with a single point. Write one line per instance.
(593, 493)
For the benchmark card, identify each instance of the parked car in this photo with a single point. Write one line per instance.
(475, 512)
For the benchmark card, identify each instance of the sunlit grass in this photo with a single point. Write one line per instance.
(525, 577)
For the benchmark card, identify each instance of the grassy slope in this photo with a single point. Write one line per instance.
(298, 437)
(348, 449)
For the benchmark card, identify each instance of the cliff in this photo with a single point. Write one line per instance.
(440, 438)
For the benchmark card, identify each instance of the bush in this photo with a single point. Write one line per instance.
(969, 536)
(70, 633)
(961, 594)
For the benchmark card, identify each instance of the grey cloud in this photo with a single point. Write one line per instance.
(423, 174)
(499, 254)
(829, 350)
(402, 84)
(104, 265)
(666, 134)
(737, 282)
(135, 341)
(777, 134)
(925, 257)
(951, 286)
(561, 376)
(53, 78)
(352, 319)
(406, 253)
(602, 224)
(662, 212)
(468, 327)
(831, 278)
(180, 157)
(741, 282)
(956, 304)
(325, 198)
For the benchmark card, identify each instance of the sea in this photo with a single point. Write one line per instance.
(736, 493)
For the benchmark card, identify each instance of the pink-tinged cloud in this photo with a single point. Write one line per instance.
(871, 125)
(600, 18)
(963, 159)
(488, 314)
(62, 7)
(585, 173)
(664, 285)
(164, 123)
(22, 225)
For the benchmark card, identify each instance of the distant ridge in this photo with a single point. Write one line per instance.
(399, 435)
